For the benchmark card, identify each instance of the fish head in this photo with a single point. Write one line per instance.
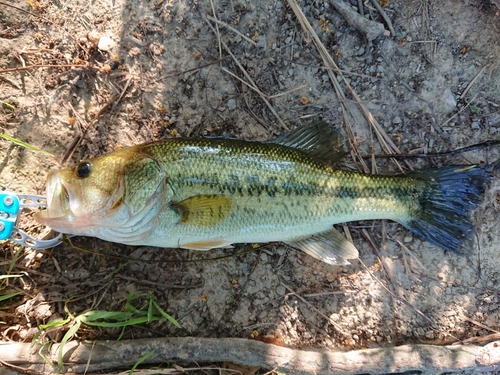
(99, 193)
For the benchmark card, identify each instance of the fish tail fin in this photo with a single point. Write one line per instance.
(445, 207)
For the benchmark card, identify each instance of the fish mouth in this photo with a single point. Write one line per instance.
(62, 201)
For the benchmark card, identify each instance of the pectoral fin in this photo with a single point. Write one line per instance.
(204, 210)
(330, 247)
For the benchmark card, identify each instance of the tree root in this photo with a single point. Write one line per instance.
(81, 357)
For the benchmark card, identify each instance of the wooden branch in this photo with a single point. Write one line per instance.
(80, 357)
(370, 29)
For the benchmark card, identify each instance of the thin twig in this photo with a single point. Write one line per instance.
(432, 134)
(476, 77)
(385, 267)
(432, 323)
(34, 66)
(247, 76)
(217, 33)
(319, 294)
(125, 88)
(232, 29)
(174, 74)
(461, 110)
(287, 91)
(384, 16)
(328, 319)
(480, 325)
(479, 340)
(159, 284)
(256, 89)
(361, 10)
(260, 92)
(74, 145)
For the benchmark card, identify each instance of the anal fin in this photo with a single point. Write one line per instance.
(206, 245)
(330, 247)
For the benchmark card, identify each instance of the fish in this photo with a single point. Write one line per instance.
(205, 193)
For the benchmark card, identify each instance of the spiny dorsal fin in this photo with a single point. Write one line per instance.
(318, 140)
(204, 210)
(330, 247)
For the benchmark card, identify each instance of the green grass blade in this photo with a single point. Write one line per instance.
(124, 323)
(7, 296)
(95, 315)
(8, 105)
(26, 145)
(150, 308)
(44, 357)
(71, 332)
(54, 323)
(142, 359)
(8, 276)
(166, 316)
(131, 308)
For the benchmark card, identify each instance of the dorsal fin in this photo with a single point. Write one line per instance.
(318, 140)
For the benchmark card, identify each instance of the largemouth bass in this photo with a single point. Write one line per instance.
(213, 192)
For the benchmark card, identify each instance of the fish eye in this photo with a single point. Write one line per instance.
(83, 169)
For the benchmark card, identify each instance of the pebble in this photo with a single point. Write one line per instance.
(93, 36)
(408, 239)
(475, 125)
(231, 104)
(396, 120)
(281, 290)
(106, 43)
(449, 98)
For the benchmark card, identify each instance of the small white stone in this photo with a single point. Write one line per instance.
(231, 104)
(396, 120)
(106, 43)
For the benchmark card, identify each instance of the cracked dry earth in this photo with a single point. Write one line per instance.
(107, 74)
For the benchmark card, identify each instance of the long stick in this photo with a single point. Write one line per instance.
(104, 356)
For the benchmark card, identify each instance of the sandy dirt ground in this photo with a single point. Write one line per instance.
(81, 78)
